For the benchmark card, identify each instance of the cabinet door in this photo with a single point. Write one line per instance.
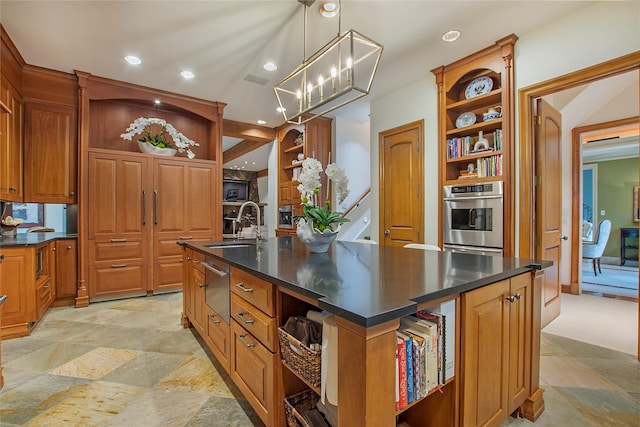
(169, 198)
(118, 196)
(18, 284)
(11, 188)
(201, 198)
(66, 270)
(519, 340)
(485, 363)
(197, 301)
(50, 154)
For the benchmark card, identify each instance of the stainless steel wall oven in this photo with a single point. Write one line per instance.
(473, 215)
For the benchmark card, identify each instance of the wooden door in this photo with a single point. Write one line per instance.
(169, 197)
(485, 355)
(50, 154)
(66, 271)
(201, 198)
(11, 188)
(548, 220)
(401, 192)
(118, 196)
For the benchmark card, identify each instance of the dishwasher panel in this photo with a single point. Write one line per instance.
(217, 287)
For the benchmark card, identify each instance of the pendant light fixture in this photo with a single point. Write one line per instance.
(337, 74)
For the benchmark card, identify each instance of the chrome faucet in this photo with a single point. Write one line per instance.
(239, 218)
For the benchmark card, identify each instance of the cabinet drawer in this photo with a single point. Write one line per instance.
(116, 249)
(252, 370)
(167, 275)
(108, 279)
(218, 338)
(254, 321)
(44, 297)
(168, 246)
(197, 259)
(254, 290)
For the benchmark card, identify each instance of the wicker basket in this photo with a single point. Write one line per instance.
(304, 362)
(299, 402)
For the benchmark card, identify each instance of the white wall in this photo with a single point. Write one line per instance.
(268, 191)
(593, 35)
(352, 151)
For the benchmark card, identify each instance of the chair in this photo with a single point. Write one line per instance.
(367, 241)
(422, 246)
(40, 229)
(595, 250)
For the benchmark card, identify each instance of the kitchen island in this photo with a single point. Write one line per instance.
(370, 288)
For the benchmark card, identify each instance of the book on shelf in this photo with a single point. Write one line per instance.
(445, 317)
(419, 373)
(438, 320)
(409, 362)
(428, 331)
(401, 372)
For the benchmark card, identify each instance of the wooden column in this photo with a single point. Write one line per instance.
(534, 405)
(366, 374)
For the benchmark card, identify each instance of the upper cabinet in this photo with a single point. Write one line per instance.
(10, 143)
(475, 115)
(50, 153)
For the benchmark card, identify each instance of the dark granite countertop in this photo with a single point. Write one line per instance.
(34, 239)
(367, 284)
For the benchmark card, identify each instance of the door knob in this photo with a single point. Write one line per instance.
(564, 237)
(387, 232)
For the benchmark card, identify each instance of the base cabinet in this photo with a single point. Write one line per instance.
(66, 271)
(495, 338)
(28, 280)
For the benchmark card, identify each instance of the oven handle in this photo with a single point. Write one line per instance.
(473, 248)
(453, 199)
(215, 270)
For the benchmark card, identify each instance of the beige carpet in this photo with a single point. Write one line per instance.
(605, 322)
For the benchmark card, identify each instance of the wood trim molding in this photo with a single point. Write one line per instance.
(576, 180)
(248, 131)
(526, 147)
(241, 149)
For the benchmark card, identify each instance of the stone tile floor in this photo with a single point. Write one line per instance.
(130, 362)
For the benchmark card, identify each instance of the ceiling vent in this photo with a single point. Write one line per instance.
(255, 79)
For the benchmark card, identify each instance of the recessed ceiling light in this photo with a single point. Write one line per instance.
(187, 74)
(133, 60)
(262, 122)
(329, 9)
(270, 66)
(451, 36)
(281, 109)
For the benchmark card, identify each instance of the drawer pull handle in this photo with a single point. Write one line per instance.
(47, 286)
(68, 247)
(247, 321)
(241, 286)
(213, 319)
(186, 237)
(248, 344)
(195, 261)
(118, 265)
(118, 240)
(201, 285)
(514, 297)
(214, 270)
(189, 258)
(3, 298)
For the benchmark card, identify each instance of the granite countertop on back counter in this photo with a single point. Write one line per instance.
(34, 239)
(366, 284)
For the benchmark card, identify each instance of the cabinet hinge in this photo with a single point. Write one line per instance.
(538, 120)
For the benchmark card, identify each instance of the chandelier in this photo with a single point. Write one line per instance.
(337, 74)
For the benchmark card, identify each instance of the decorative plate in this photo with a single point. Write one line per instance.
(465, 119)
(478, 86)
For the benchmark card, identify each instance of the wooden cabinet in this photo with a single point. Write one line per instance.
(183, 209)
(139, 207)
(467, 90)
(28, 280)
(254, 352)
(313, 139)
(50, 153)
(628, 245)
(3, 298)
(496, 351)
(11, 111)
(66, 251)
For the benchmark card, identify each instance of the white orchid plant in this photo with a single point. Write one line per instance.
(140, 126)
(310, 182)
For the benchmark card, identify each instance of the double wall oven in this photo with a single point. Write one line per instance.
(473, 218)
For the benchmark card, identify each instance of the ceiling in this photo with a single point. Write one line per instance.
(225, 43)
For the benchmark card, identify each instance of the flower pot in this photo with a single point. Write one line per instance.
(316, 242)
(145, 147)
(9, 232)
